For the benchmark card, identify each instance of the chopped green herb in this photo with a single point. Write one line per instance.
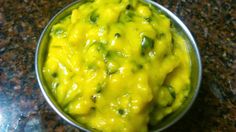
(148, 19)
(160, 35)
(126, 16)
(100, 87)
(114, 54)
(171, 91)
(133, 3)
(55, 84)
(59, 31)
(164, 97)
(117, 35)
(111, 71)
(101, 48)
(121, 111)
(93, 108)
(112, 67)
(147, 45)
(54, 74)
(139, 66)
(94, 17)
(92, 66)
(130, 14)
(128, 7)
(94, 98)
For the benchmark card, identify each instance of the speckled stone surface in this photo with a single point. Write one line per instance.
(23, 108)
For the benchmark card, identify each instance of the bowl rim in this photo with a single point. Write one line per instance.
(197, 53)
(46, 96)
(165, 11)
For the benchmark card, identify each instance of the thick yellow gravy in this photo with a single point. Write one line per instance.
(117, 66)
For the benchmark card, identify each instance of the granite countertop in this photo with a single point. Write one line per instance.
(23, 108)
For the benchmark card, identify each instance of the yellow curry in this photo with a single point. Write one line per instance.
(117, 65)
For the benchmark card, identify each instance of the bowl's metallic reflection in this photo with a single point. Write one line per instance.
(196, 70)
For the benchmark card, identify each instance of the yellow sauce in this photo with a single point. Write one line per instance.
(117, 66)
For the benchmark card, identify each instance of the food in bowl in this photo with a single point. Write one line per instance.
(117, 65)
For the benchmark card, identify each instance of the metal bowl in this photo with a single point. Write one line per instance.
(196, 67)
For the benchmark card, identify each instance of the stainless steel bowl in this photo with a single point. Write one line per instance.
(196, 67)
